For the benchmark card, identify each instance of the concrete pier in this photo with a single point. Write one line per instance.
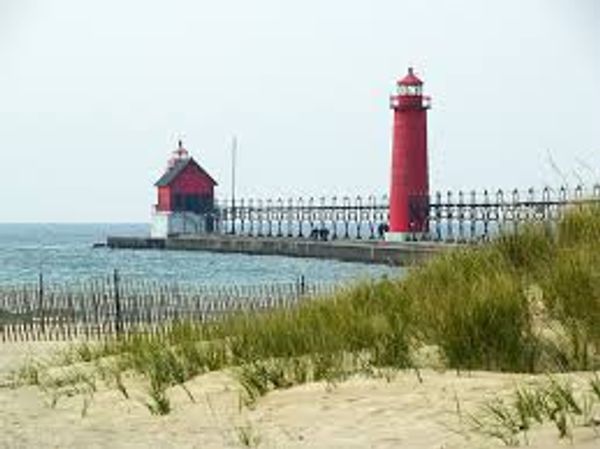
(366, 251)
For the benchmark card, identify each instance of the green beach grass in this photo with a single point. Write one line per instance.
(526, 302)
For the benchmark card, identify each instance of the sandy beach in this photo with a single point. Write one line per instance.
(357, 413)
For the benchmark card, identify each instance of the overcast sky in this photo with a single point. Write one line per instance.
(95, 94)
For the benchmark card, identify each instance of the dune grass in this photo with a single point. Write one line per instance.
(526, 302)
(556, 401)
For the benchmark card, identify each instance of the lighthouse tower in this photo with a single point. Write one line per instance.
(409, 191)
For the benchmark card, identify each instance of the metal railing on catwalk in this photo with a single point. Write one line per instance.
(462, 216)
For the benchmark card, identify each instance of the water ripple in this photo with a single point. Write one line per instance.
(63, 252)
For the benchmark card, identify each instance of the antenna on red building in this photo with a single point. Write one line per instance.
(233, 161)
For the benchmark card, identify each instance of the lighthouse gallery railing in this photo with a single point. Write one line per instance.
(452, 216)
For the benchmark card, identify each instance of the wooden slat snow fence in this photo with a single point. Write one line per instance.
(114, 306)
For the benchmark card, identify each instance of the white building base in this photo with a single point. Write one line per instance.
(167, 224)
(398, 237)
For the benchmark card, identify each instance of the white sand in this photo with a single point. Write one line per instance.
(358, 413)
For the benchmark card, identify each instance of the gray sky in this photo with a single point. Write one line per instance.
(93, 96)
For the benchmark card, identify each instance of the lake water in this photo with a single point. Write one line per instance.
(64, 253)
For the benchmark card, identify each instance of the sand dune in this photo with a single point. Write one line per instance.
(358, 413)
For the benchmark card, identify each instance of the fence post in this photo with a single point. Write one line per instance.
(118, 318)
(41, 303)
(302, 285)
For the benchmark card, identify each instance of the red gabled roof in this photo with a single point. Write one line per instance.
(411, 79)
(174, 171)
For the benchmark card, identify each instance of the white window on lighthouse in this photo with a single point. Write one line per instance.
(414, 90)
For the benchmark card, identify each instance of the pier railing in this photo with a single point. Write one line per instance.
(114, 306)
(451, 216)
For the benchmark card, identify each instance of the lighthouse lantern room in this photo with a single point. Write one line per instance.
(409, 191)
(185, 198)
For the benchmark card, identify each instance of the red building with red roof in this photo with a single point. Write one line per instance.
(185, 197)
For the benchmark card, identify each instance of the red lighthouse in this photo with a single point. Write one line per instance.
(409, 192)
